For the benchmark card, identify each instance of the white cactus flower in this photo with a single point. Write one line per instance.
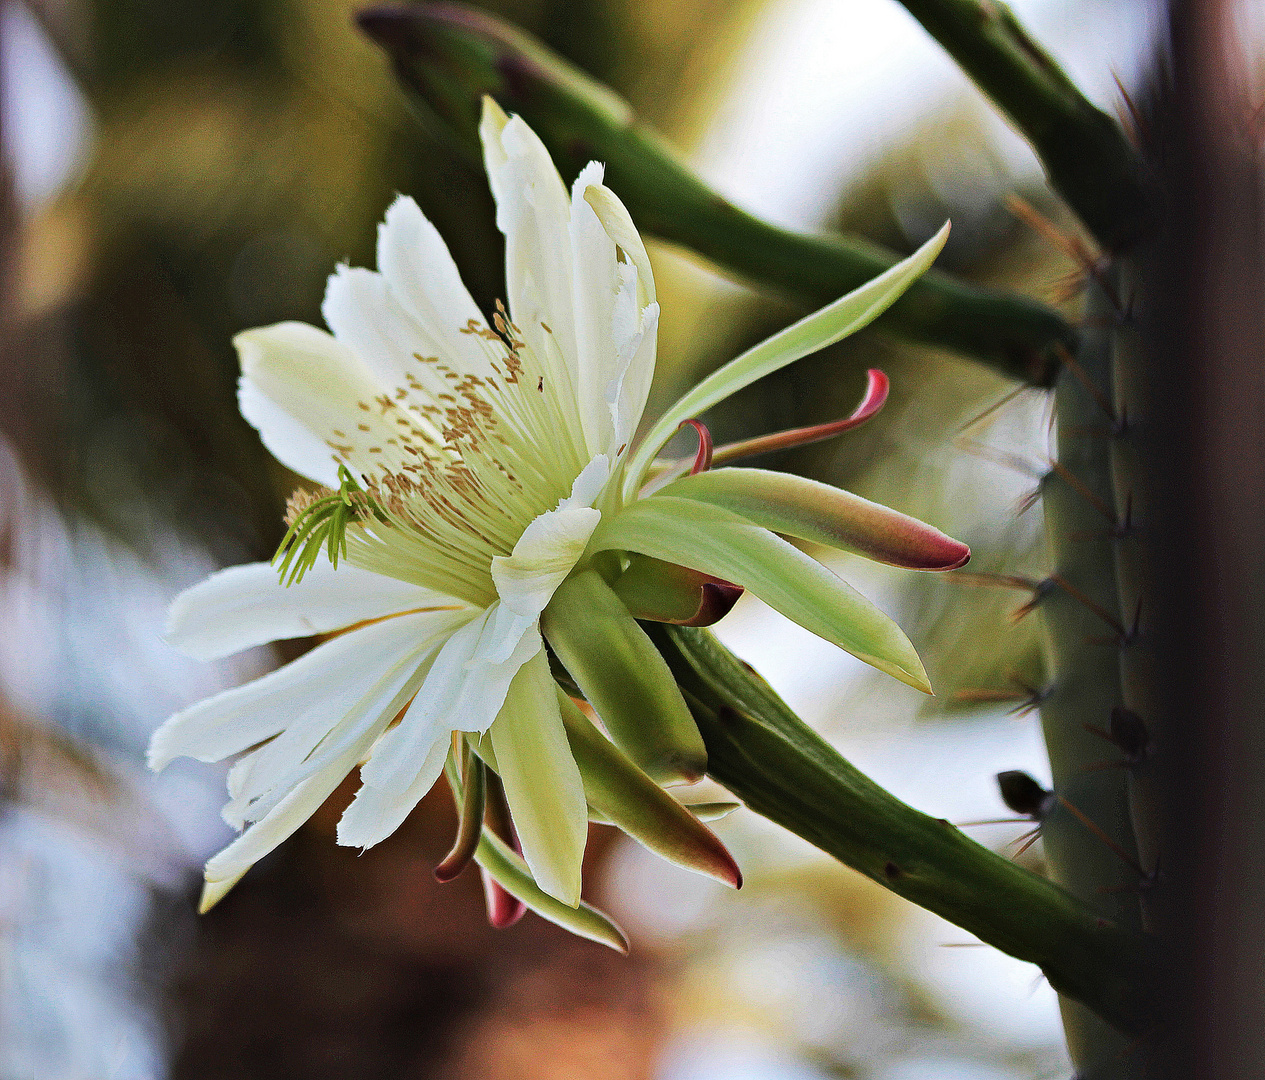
(485, 494)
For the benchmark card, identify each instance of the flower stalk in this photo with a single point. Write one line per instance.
(767, 756)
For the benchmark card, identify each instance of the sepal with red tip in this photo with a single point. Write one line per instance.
(664, 592)
(626, 797)
(808, 510)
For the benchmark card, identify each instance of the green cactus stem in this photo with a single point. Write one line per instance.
(1085, 631)
(767, 756)
(1086, 156)
(448, 57)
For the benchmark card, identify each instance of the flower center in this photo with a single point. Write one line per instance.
(470, 461)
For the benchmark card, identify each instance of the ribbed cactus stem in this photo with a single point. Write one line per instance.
(1137, 738)
(1084, 627)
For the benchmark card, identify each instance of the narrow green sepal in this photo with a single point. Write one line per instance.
(849, 313)
(717, 541)
(469, 811)
(817, 512)
(507, 868)
(510, 872)
(627, 798)
(624, 678)
(665, 592)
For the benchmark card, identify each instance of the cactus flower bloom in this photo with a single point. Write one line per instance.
(481, 494)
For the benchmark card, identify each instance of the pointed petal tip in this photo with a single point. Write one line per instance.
(215, 891)
(725, 868)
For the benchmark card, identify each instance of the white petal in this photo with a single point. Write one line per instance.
(633, 385)
(532, 210)
(297, 448)
(323, 388)
(367, 317)
(590, 483)
(310, 743)
(542, 782)
(619, 227)
(544, 555)
(464, 690)
(248, 605)
(336, 674)
(257, 841)
(417, 266)
(376, 812)
(595, 287)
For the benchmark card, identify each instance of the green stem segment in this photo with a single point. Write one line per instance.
(781, 768)
(448, 57)
(1085, 154)
(1084, 629)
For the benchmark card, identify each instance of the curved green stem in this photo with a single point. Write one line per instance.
(447, 57)
(1083, 149)
(768, 757)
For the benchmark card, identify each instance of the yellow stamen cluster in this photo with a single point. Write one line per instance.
(470, 461)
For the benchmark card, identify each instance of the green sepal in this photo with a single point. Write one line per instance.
(622, 675)
(541, 781)
(508, 869)
(624, 796)
(720, 542)
(666, 592)
(834, 322)
(817, 512)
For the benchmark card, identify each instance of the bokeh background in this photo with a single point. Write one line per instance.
(177, 170)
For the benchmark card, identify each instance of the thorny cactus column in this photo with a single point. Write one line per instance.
(1095, 711)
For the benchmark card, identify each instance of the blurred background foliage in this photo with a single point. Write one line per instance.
(218, 159)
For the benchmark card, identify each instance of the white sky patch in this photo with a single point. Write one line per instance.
(45, 119)
(824, 86)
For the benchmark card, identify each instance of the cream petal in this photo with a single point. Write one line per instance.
(323, 388)
(464, 690)
(227, 867)
(619, 227)
(376, 812)
(544, 555)
(248, 605)
(310, 741)
(596, 284)
(422, 277)
(542, 782)
(365, 315)
(337, 674)
(592, 480)
(297, 448)
(532, 211)
(633, 384)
